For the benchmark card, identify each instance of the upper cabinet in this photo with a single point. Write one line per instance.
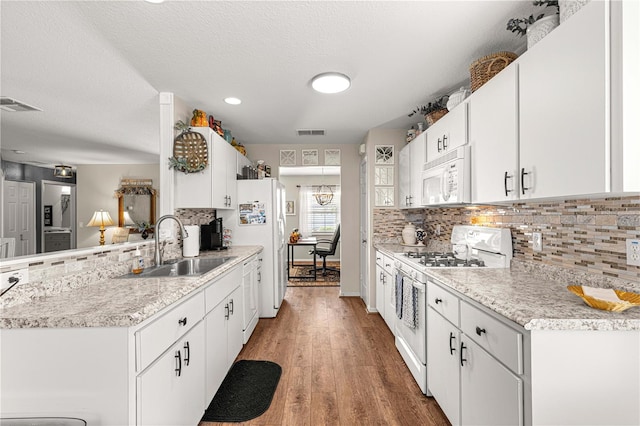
(558, 121)
(411, 162)
(564, 138)
(215, 186)
(447, 133)
(493, 136)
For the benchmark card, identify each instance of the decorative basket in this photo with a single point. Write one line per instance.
(485, 68)
(192, 147)
(434, 116)
(627, 300)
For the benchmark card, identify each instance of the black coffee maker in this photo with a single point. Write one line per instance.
(211, 235)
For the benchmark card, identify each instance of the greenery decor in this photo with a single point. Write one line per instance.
(519, 25)
(436, 105)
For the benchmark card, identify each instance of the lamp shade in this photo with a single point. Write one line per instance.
(101, 218)
(62, 171)
(127, 219)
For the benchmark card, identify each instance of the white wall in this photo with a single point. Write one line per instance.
(96, 185)
(350, 203)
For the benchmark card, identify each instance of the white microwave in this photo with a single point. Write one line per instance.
(447, 179)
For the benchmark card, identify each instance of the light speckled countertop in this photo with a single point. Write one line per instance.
(534, 297)
(115, 302)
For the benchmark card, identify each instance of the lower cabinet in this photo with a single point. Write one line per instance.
(466, 357)
(250, 296)
(385, 289)
(170, 391)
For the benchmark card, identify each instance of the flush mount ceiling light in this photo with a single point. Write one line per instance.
(233, 101)
(65, 172)
(154, 1)
(330, 82)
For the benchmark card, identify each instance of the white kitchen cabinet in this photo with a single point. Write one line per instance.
(215, 186)
(411, 162)
(379, 284)
(170, 392)
(467, 359)
(447, 133)
(443, 364)
(385, 289)
(493, 137)
(250, 295)
(223, 328)
(490, 394)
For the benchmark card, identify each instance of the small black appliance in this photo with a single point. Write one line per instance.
(211, 235)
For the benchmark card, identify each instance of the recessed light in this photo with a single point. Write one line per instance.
(154, 1)
(17, 151)
(233, 101)
(330, 82)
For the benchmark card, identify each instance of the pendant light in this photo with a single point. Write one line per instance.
(62, 171)
(323, 193)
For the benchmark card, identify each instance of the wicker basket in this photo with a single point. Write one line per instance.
(434, 116)
(191, 146)
(627, 300)
(485, 68)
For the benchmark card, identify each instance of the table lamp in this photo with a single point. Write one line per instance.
(101, 219)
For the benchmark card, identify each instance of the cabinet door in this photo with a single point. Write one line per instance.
(564, 107)
(170, 392)
(447, 133)
(250, 302)
(493, 136)
(219, 167)
(490, 394)
(443, 364)
(390, 301)
(234, 328)
(231, 177)
(380, 305)
(217, 363)
(418, 158)
(404, 171)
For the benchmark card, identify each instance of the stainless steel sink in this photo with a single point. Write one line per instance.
(182, 268)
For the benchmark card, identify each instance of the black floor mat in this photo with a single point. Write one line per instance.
(245, 393)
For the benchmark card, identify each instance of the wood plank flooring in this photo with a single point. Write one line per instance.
(339, 366)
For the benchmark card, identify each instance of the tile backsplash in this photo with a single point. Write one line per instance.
(587, 235)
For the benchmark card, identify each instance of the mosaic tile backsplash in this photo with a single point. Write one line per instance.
(587, 235)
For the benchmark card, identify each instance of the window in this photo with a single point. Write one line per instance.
(317, 219)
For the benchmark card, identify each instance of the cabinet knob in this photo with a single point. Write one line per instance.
(438, 300)
(479, 331)
(182, 321)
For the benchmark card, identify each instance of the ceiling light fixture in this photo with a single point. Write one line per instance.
(154, 1)
(64, 172)
(330, 82)
(233, 101)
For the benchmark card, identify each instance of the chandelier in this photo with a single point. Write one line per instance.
(323, 194)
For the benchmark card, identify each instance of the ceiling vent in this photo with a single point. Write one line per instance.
(310, 132)
(13, 105)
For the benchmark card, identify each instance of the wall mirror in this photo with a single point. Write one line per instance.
(137, 205)
(58, 216)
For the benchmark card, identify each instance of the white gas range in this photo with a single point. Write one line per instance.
(473, 247)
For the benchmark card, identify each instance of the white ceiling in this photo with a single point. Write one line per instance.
(95, 68)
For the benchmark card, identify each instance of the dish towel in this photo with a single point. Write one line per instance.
(398, 292)
(409, 304)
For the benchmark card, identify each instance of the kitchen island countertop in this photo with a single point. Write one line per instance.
(529, 298)
(116, 302)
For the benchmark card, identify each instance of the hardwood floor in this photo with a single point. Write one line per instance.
(339, 366)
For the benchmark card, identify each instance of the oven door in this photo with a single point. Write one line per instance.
(411, 342)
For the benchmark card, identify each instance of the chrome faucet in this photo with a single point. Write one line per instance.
(158, 255)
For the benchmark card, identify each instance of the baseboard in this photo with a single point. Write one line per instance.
(349, 293)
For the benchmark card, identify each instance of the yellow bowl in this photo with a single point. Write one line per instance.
(627, 300)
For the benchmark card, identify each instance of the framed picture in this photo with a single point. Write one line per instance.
(48, 215)
(383, 175)
(331, 157)
(309, 157)
(384, 196)
(287, 157)
(290, 209)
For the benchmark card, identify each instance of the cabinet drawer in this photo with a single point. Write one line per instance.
(155, 338)
(443, 302)
(388, 263)
(219, 289)
(497, 338)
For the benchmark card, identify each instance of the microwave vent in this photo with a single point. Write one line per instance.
(453, 155)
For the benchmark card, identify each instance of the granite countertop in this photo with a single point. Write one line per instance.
(115, 302)
(533, 297)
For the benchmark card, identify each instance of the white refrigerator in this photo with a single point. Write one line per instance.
(260, 220)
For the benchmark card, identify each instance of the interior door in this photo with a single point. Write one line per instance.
(364, 226)
(19, 219)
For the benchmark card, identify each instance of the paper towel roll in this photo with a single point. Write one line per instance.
(191, 244)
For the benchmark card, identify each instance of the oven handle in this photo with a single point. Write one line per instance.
(420, 286)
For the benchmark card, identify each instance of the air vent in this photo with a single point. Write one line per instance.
(310, 132)
(13, 105)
